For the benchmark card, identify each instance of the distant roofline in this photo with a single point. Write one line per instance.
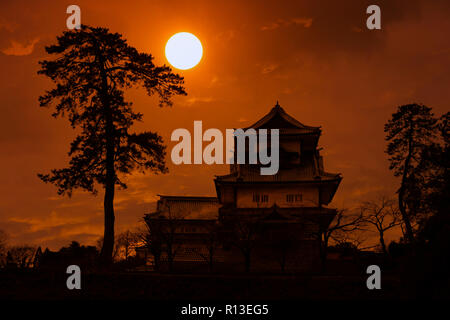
(201, 198)
(179, 219)
(325, 177)
(334, 179)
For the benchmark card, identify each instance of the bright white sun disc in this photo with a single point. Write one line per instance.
(184, 50)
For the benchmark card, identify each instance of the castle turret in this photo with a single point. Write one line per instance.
(300, 182)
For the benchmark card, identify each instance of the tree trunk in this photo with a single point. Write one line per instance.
(110, 179)
(401, 205)
(108, 237)
(170, 257)
(156, 261)
(383, 244)
(323, 246)
(401, 194)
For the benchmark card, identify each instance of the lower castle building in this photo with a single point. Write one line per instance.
(256, 222)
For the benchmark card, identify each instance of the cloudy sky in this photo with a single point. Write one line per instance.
(317, 58)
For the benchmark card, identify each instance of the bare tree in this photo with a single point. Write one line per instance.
(163, 229)
(152, 240)
(284, 241)
(383, 214)
(353, 239)
(20, 256)
(211, 243)
(125, 243)
(243, 237)
(99, 245)
(170, 228)
(343, 224)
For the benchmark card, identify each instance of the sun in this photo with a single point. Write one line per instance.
(184, 50)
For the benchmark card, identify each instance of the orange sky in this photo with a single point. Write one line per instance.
(316, 57)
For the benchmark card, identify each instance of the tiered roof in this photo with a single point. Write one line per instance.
(277, 118)
(309, 171)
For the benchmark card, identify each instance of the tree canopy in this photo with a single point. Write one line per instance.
(92, 68)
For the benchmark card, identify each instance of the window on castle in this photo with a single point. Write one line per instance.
(294, 198)
(189, 230)
(260, 197)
